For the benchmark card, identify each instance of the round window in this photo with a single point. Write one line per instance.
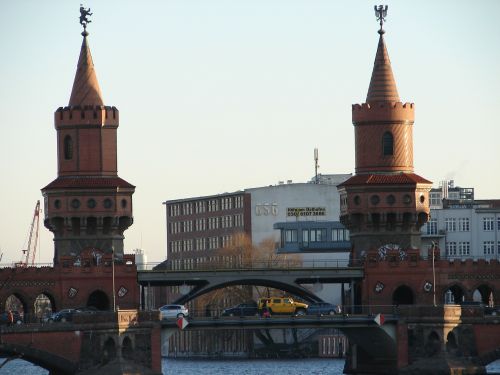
(91, 203)
(422, 198)
(57, 203)
(124, 203)
(391, 199)
(374, 199)
(108, 203)
(407, 199)
(357, 200)
(75, 203)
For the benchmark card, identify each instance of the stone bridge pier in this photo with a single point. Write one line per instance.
(125, 342)
(427, 340)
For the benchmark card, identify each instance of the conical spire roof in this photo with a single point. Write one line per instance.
(86, 90)
(382, 85)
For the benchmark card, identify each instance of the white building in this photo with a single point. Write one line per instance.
(462, 226)
(291, 202)
(279, 203)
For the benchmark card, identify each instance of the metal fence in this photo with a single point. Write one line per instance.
(247, 265)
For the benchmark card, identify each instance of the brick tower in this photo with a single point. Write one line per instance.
(384, 204)
(87, 207)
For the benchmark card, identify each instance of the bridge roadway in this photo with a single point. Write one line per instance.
(289, 279)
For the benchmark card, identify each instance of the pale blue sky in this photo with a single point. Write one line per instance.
(216, 96)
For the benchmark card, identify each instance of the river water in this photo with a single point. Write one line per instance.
(227, 367)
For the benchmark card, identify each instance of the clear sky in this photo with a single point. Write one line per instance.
(219, 95)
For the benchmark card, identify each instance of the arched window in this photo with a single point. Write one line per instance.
(68, 148)
(387, 144)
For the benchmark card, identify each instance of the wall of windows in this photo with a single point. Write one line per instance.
(489, 247)
(431, 227)
(238, 220)
(451, 249)
(317, 235)
(291, 235)
(450, 224)
(340, 235)
(464, 224)
(488, 223)
(464, 248)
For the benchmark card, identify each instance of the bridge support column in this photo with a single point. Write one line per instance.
(352, 297)
(166, 333)
(402, 338)
(354, 357)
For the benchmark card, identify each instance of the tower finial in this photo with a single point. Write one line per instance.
(381, 13)
(84, 20)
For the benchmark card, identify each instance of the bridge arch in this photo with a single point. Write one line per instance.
(109, 349)
(204, 288)
(482, 293)
(451, 343)
(457, 295)
(403, 295)
(17, 301)
(127, 348)
(433, 344)
(52, 363)
(99, 300)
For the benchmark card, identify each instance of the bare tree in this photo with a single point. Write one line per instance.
(241, 253)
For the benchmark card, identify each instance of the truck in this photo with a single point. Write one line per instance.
(281, 305)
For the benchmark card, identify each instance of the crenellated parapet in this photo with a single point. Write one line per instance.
(98, 115)
(383, 112)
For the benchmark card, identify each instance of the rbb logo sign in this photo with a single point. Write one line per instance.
(266, 209)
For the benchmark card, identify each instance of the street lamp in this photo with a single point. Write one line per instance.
(113, 275)
(433, 273)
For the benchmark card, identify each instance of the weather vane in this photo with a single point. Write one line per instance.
(84, 13)
(381, 13)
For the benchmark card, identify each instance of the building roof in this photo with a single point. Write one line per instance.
(382, 85)
(86, 90)
(386, 179)
(204, 197)
(96, 182)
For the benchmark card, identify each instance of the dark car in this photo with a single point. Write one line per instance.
(243, 309)
(66, 315)
(17, 318)
(321, 308)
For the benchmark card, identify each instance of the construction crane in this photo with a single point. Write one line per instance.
(30, 252)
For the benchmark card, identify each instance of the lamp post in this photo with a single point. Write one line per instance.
(113, 275)
(433, 274)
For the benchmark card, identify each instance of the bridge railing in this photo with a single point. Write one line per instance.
(216, 312)
(247, 265)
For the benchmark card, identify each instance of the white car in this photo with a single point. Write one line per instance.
(173, 311)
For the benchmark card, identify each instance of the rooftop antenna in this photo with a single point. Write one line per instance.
(316, 166)
(381, 13)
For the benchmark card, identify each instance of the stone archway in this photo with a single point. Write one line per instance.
(109, 350)
(403, 295)
(451, 343)
(433, 344)
(483, 294)
(127, 349)
(15, 302)
(454, 295)
(99, 300)
(43, 306)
